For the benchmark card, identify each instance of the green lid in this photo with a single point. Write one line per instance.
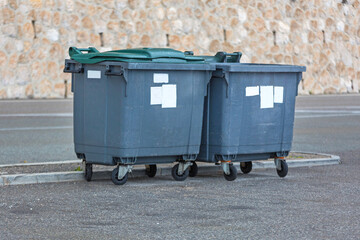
(159, 55)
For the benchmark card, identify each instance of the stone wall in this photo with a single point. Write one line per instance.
(323, 35)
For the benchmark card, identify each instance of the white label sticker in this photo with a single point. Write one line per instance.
(155, 95)
(93, 74)
(266, 96)
(278, 94)
(252, 91)
(168, 96)
(161, 78)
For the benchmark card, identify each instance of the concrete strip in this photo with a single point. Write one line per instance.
(37, 115)
(52, 177)
(300, 163)
(39, 163)
(17, 179)
(35, 128)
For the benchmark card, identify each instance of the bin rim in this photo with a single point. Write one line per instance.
(258, 67)
(152, 65)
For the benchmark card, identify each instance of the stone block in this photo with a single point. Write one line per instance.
(82, 37)
(3, 58)
(177, 26)
(8, 15)
(259, 24)
(36, 3)
(214, 46)
(3, 94)
(23, 75)
(145, 41)
(134, 39)
(279, 58)
(8, 77)
(316, 89)
(87, 23)
(113, 25)
(13, 61)
(188, 42)
(174, 41)
(311, 37)
(56, 19)
(45, 88)
(122, 39)
(166, 26)
(171, 13)
(45, 17)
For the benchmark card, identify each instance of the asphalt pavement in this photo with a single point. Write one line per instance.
(36, 131)
(310, 203)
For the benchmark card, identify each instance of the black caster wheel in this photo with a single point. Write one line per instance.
(233, 173)
(176, 176)
(284, 169)
(151, 170)
(193, 170)
(88, 172)
(116, 180)
(246, 167)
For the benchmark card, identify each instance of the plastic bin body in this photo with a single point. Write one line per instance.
(241, 120)
(118, 119)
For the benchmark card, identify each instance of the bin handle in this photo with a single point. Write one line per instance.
(75, 50)
(123, 72)
(228, 57)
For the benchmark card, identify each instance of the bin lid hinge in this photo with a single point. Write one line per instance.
(122, 72)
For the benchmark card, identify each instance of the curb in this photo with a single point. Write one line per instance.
(54, 177)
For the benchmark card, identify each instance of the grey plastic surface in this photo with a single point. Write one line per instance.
(116, 122)
(237, 127)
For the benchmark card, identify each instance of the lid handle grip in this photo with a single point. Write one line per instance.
(228, 57)
(75, 50)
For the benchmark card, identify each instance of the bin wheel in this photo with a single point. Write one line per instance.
(116, 180)
(247, 168)
(284, 169)
(233, 173)
(193, 170)
(88, 172)
(151, 170)
(176, 176)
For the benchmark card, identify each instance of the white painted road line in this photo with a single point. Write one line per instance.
(37, 115)
(327, 111)
(35, 128)
(312, 113)
(331, 107)
(327, 115)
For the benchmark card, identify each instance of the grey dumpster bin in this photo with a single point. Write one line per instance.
(248, 113)
(137, 106)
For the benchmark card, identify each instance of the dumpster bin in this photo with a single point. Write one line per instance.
(137, 106)
(248, 113)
